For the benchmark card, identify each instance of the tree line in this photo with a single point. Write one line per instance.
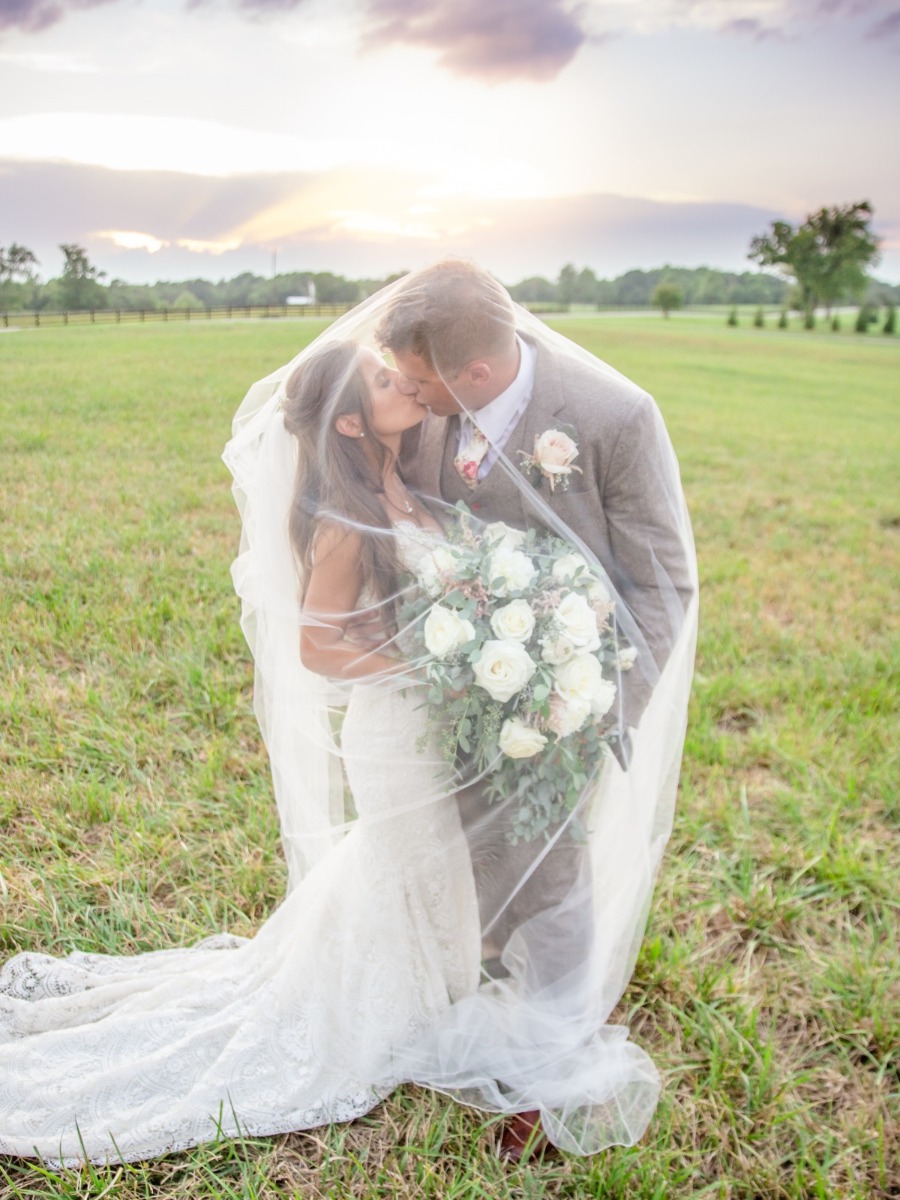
(822, 262)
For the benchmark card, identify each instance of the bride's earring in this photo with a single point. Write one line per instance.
(362, 435)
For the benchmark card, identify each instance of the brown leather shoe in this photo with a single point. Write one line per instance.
(522, 1138)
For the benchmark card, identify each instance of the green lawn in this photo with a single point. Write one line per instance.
(135, 807)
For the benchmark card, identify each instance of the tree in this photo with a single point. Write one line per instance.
(81, 286)
(567, 284)
(732, 317)
(759, 317)
(827, 255)
(890, 320)
(666, 296)
(17, 262)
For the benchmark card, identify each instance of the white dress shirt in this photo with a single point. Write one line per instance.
(498, 419)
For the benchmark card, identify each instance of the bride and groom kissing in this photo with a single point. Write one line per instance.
(423, 937)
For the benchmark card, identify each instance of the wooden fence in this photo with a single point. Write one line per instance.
(122, 316)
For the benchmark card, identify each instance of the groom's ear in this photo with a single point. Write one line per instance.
(479, 373)
(349, 425)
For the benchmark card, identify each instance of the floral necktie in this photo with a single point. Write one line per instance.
(469, 460)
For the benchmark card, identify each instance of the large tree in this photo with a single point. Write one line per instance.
(827, 255)
(80, 285)
(16, 260)
(18, 277)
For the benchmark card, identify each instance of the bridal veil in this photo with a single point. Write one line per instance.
(501, 922)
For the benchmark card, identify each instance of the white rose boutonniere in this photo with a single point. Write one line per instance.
(555, 451)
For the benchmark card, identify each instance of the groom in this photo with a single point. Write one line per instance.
(492, 391)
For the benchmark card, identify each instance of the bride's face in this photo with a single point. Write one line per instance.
(393, 398)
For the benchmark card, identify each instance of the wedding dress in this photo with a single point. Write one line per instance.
(105, 1057)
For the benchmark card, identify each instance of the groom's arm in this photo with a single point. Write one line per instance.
(651, 546)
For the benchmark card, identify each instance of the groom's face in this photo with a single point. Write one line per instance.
(432, 391)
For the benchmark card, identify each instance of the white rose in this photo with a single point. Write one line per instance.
(626, 658)
(556, 650)
(498, 533)
(582, 679)
(578, 621)
(445, 631)
(509, 571)
(567, 716)
(554, 452)
(437, 563)
(567, 567)
(518, 740)
(503, 668)
(514, 620)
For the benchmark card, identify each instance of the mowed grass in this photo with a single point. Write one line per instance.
(136, 809)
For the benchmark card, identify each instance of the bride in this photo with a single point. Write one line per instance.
(118, 1058)
(380, 966)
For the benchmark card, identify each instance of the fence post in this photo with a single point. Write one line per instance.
(92, 317)
(187, 314)
(165, 312)
(229, 312)
(142, 314)
(37, 316)
(208, 313)
(118, 315)
(6, 320)
(65, 318)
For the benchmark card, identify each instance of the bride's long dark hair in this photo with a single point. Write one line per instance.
(336, 477)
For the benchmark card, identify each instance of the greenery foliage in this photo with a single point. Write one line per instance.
(136, 808)
(826, 256)
(666, 296)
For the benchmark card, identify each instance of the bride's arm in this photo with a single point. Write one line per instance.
(331, 600)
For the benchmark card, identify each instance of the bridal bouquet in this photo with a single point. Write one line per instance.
(515, 633)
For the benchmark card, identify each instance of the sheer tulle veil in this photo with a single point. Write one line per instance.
(449, 920)
(536, 1038)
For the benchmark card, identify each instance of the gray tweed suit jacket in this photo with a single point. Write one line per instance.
(625, 505)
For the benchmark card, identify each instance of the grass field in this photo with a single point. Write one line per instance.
(135, 806)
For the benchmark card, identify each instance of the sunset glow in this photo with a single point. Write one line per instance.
(613, 135)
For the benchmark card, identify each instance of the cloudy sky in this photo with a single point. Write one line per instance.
(177, 138)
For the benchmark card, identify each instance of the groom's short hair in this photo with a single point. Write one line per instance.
(450, 314)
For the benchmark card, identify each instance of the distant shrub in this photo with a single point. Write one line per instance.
(783, 319)
(187, 300)
(666, 296)
(863, 319)
(732, 317)
(890, 320)
(835, 323)
(759, 318)
(809, 320)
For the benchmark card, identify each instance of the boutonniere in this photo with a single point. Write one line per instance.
(554, 452)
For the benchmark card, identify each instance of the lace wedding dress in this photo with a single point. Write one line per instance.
(123, 1058)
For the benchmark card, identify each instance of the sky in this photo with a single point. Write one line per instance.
(203, 138)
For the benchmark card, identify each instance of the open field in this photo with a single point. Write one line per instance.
(135, 807)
